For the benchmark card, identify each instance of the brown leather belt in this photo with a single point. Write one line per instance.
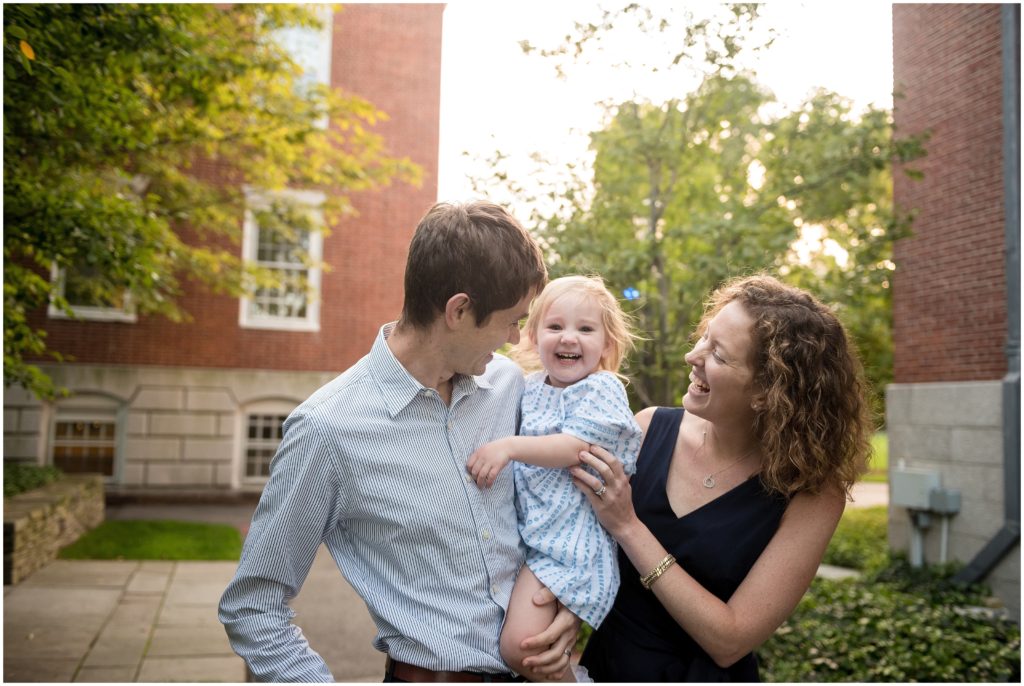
(407, 672)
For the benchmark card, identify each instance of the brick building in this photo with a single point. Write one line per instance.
(197, 406)
(954, 407)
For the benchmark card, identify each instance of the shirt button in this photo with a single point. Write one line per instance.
(469, 479)
(485, 534)
(494, 589)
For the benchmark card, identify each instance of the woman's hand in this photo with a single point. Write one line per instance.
(614, 507)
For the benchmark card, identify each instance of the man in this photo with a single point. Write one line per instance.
(374, 465)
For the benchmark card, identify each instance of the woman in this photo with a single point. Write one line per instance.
(736, 495)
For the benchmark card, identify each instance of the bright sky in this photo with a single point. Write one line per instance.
(494, 97)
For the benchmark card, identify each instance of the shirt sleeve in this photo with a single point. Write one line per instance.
(596, 410)
(296, 509)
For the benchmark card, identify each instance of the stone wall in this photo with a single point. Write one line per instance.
(38, 523)
(178, 430)
(956, 430)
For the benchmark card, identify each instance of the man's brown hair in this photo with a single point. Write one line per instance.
(475, 248)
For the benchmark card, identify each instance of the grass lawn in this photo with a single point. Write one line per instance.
(156, 540)
(861, 539)
(879, 459)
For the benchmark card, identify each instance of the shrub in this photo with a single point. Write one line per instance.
(861, 540)
(898, 625)
(19, 478)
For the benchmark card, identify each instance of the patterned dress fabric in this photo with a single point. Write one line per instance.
(716, 544)
(569, 550)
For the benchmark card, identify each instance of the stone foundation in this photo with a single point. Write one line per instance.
(177, 430)
(955, 429)
(38, 523)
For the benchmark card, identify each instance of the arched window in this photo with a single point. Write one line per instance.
(85, 434)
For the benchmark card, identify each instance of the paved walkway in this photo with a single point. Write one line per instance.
(149, 621)
(870, 494)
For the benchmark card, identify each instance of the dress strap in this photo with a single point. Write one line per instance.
(660, 440)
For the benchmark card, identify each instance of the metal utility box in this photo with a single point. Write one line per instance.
(912, 488)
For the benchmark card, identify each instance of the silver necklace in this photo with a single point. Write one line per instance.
(709, 480)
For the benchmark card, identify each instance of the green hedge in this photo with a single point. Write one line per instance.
(899, 624)
(19, 478)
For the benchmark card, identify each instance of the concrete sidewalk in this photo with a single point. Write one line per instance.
(118, 621)
(149, 621)
(867, 494)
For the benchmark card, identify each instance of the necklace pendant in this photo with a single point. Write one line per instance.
(709, 481)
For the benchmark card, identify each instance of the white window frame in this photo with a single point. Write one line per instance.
(258, 442)
(126, 314)
(248, 319)
(280, 406)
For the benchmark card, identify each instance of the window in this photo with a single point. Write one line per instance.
(84, 445)
(295, 304)
(310, 48)
(263, 437)
(74, 285)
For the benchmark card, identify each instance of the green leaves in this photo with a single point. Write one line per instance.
(905, 625)
(676, 204)
(130, 131)
(861, 540)
(689, 193)
(19, 478)
(895, 623)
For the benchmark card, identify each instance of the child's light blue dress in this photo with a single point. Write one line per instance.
(569, 550)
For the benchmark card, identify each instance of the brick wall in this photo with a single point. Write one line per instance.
(949, 296)
(390, 55)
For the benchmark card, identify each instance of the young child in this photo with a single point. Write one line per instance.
(580, 335)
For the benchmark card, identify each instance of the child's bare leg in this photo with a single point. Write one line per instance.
(524, 619)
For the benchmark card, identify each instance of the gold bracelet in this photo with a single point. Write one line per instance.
(655, 574)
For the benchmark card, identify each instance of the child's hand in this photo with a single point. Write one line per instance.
(487, 461)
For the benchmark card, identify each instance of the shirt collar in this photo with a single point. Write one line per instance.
(398, 387)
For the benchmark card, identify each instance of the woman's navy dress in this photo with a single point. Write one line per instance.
(716, 544)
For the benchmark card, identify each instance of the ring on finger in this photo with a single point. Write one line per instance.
(601, 491)
(568, 652)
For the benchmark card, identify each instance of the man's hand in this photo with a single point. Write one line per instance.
(555, 643)
(487, 461)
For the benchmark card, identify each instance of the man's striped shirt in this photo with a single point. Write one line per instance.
(374, 466)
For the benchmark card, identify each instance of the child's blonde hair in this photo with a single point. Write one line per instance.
(617, 324)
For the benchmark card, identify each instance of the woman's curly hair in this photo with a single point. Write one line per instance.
(812, 417)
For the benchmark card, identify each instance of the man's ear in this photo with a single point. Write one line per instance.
(458, 310)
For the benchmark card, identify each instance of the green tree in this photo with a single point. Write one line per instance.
(131, 132)
(687, 193)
